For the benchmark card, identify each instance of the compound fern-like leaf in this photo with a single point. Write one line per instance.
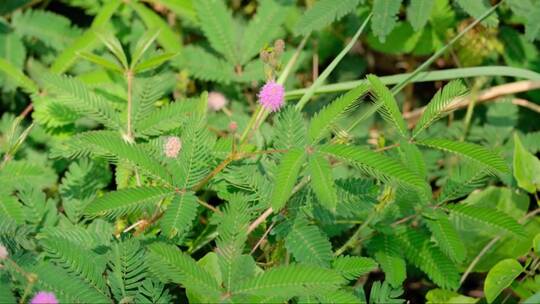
(219, 27)
(293, 280)
(125, 201)
(487, 216)
(287, 174)
(179, 216)
(387, 104)
(384, 17)
(322, 13)
(308, 244)
(322, 181)
(482, 156)
(169, 264)
(438, 104)
(324, 120)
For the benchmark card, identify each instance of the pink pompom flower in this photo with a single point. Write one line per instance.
(3, 252)
(272, 96)
(44, 297)
(216, 101)
(172, 147)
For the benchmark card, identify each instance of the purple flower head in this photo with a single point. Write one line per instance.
(43, 297)
(172, 147)
(272, 96)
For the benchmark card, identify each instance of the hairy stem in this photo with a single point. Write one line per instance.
(352, 240)
(129, 78)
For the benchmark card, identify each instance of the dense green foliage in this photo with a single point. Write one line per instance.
(138, 167)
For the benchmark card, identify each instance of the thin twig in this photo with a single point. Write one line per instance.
(477, 259)
(208, 206)
(488, 246)
(526, 104)
(486, 95)
(260, 219)
(262, 238)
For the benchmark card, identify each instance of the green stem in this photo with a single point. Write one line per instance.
(352, 240)
(441, 51)
(129, 78)
(260, 114)
(447, 74)
(330, 68)
(470, 109)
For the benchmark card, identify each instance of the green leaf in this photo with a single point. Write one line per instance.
(127, 269)
(125, 201)
(6, 295)
(53, 30)
(352, 267)
(11, 208)
(292, 280)
(393, 266)
(438, 104)
(487, 216)
(143, 44)
(290, 129)
(219, 27)
(262, 29)
(426, 256)
(322, 181)
(193, 163)
(87, 41)
(154, 62)
(179, 216)
(418, 13)
(115, 47)
(12, 50)
(205, 66)
(382, 293)
(322, 13)
(233, 265)
(526, 167)
(16, 75)
(170, 264)
(500, 277)
(286, 176)
(477, 8)
(76, 259)
(412, 158)
(322, 122)
(308, 244)
(446, 236)
(436, 296)
(74, 93)
(165, 118)
(387, 253)
(66, 287)
(104, 62)
(532, 28)
(147, 91)
(105, 143)
(480, 155)
(387, 104)
(384, 17)
(167, 38)
(375, 164)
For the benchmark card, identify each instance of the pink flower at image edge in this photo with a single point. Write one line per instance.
(43, 297)
(272, 96)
